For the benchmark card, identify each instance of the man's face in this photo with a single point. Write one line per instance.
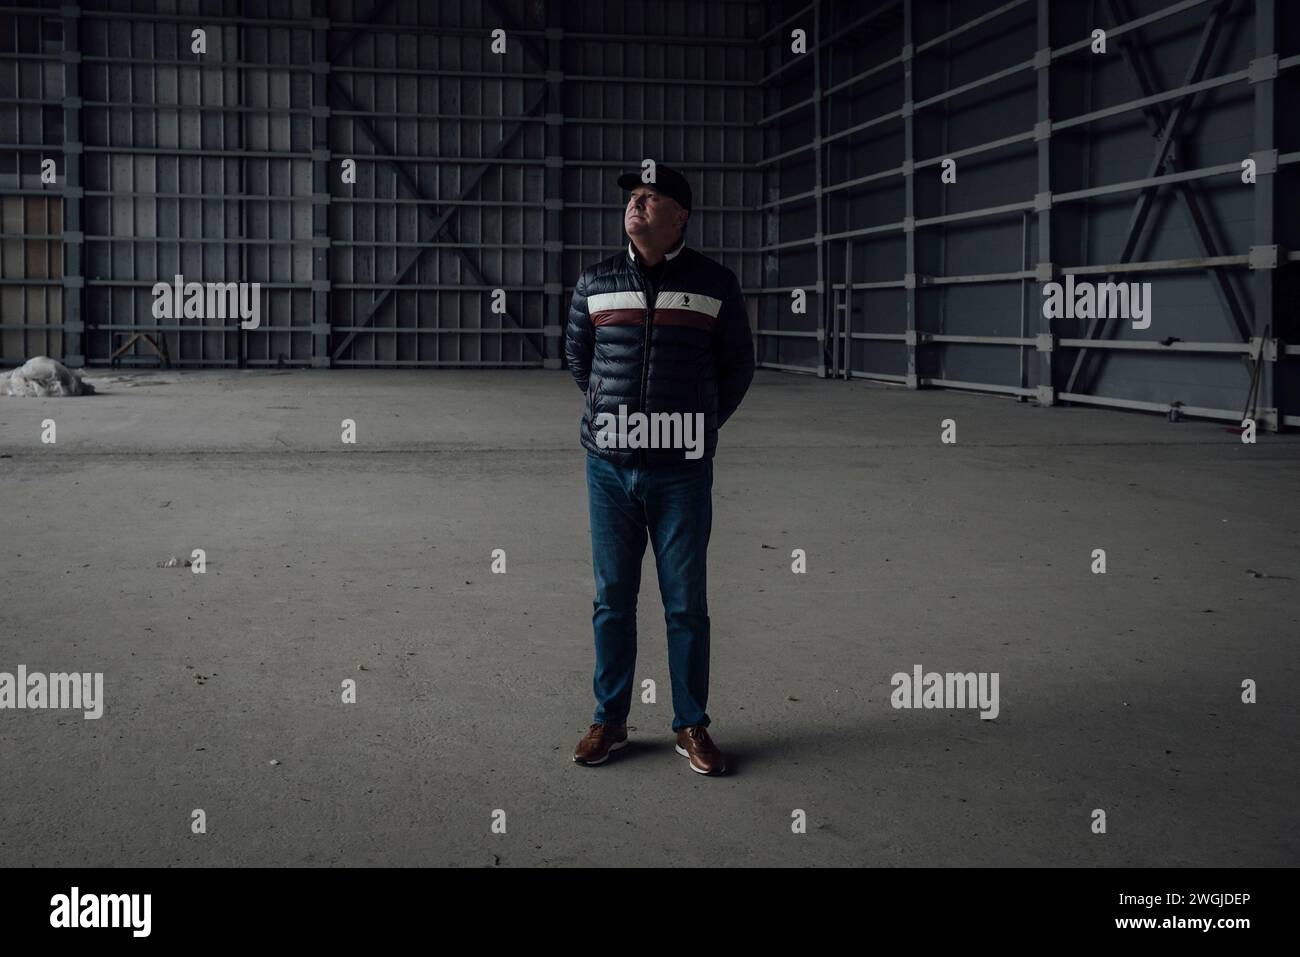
(652, 215)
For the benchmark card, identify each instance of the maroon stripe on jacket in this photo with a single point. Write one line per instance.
(618, 317)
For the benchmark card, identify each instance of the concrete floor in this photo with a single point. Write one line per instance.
(1117, 691)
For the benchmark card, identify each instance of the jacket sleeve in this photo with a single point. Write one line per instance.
(733, 352)
(579, 342)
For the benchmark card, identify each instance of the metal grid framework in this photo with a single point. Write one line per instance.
(475, 171)
(1123, 166)
(816, 171)
(31, 129)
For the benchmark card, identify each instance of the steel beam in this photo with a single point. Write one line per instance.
(824, 298)
(73, 212)
(554, 312)
(1046, 381)
(1167, 129)
(438, 221)
(848, 309)
(910, 292)
(1268, 393)
(321, 170)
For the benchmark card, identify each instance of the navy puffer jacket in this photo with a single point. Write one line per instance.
(691, 353)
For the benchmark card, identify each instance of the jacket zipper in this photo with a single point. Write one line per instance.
(645, 348)
(650, 294)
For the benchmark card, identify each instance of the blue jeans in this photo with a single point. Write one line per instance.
(672, 506)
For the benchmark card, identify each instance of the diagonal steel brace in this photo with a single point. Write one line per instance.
(439, 220)
(1165, 128)
(440, 223)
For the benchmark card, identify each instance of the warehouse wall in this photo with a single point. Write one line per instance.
(933, 283)
(479, 170)
(476, 170)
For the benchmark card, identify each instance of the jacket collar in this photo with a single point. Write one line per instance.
(632, 255)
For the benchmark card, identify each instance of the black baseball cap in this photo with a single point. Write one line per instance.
(667, 181)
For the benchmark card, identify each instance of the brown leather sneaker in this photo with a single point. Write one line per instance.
(694, 743)
(600, 740)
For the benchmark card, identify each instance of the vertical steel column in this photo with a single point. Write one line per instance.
(74, 282)
(240, 77)
(1025, 264)
(320, 186)
(830, 248)
(910, 298)
(824, 304)
(837, 306)
(553, 314)
(770, 306)
(848, 310)
(1043, 201)
(1264, 258)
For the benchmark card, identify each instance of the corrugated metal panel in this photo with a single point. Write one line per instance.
(480, 171)
(475, 171)
(934, 284)
(31, 131)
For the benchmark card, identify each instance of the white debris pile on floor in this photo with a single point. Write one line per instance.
(42, 377)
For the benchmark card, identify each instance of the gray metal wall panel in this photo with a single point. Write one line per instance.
(970, 42)
(479, 171)
(32, 91)
(225, 167)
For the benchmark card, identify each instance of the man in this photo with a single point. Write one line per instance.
(658, 330)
